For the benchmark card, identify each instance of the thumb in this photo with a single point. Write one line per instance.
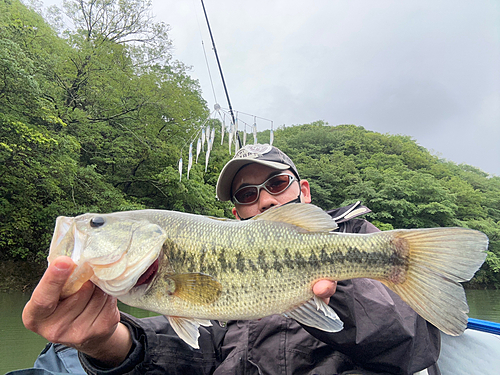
(56, 275)
(46, 295)
(325, 289)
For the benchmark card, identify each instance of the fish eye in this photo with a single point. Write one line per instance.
(96, 222)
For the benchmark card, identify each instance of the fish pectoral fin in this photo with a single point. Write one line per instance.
(316, 313)
(188, 328)
(303, 215)
(196, 288)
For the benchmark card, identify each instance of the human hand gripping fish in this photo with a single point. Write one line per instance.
(194, 269)
(88, 320)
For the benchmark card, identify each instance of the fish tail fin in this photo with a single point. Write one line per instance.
(440, 258)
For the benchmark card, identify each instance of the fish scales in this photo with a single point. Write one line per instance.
(199, 268)
(264, 268)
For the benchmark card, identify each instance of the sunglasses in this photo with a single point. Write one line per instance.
(273, 185)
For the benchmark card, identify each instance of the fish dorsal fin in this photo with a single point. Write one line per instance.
(188, 328)
(316, 313)
(303, 215)
(196, 288)
(220, 218)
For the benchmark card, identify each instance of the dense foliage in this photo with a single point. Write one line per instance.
(95, 118)
(92, 119)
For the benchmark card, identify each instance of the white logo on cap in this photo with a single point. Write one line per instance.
(253, 151)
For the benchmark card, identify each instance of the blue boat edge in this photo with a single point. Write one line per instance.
(484, 326)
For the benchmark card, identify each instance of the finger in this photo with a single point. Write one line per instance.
(96, 309)
(109, 317)
(45, 297)
(72, 307)
(324, 288)
(85, 318)
(110, 310)
(59, 327)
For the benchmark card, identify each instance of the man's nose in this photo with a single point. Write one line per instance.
(267, 200)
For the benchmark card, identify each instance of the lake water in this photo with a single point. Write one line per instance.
(20, 347)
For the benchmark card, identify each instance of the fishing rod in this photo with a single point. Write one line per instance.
(221, 74)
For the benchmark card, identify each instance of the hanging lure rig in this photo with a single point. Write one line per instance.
(238, 132)
(231, 122)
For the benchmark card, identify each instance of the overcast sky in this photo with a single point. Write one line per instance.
(427, 69)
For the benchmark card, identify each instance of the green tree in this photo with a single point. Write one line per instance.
(91, 121)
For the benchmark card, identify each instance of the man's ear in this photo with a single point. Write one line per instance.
(235, 213)
(305, 189)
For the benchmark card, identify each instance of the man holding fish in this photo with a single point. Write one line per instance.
(381, 334)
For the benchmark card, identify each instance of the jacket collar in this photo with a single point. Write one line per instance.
(349, 212)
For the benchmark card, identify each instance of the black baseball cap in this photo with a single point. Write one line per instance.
(259, 153)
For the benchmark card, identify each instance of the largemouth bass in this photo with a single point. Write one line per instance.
(194, 268)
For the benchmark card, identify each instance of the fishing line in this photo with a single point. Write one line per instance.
(209, 74)
(249, 114)
(220, 70)
(135, 135)
(204, 52)
(197, 133)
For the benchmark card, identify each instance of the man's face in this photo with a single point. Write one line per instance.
(254, 174)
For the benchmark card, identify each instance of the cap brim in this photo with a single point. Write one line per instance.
(226, 177)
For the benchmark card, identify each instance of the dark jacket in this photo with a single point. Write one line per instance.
(381, 335)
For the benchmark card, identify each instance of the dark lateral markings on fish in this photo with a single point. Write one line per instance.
(201, 268)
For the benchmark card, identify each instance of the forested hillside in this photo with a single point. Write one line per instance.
(95, 118)
(91, 121)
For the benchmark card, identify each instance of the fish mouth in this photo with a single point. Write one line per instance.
(67, 240)
(149, 274)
